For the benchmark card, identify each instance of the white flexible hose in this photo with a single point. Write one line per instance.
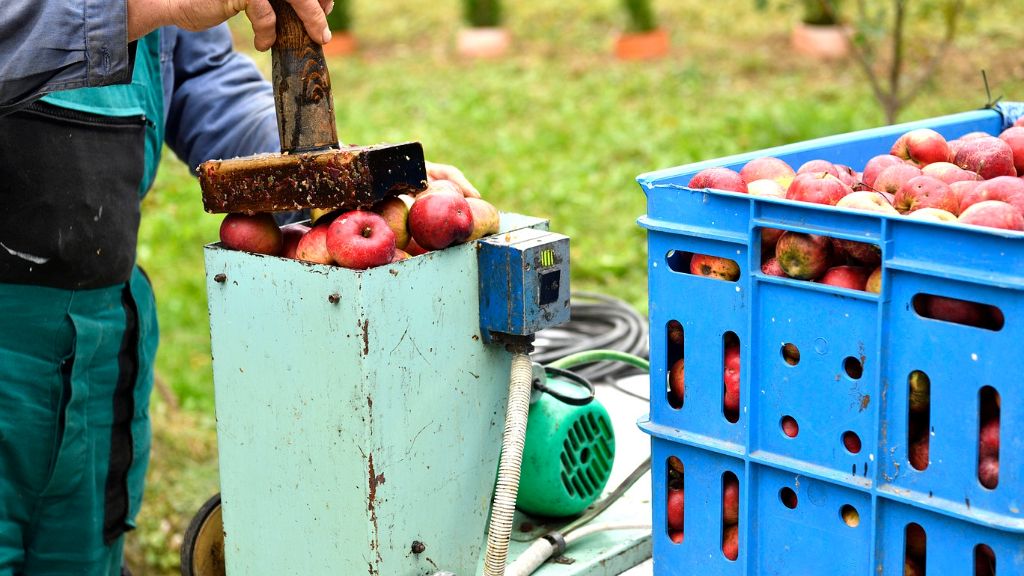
(504, 506)
(541, 549)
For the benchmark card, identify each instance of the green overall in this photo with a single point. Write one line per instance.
(75, 379)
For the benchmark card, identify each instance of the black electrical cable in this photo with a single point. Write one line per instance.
(567, 376)
(596, 321)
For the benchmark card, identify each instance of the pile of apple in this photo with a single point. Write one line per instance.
(392, 230)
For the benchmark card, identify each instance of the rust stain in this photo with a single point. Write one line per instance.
(364, 326)
(865, 399)
(371, 506)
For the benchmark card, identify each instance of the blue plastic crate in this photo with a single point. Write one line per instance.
(834, 328)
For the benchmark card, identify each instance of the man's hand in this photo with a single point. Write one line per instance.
(446, 172)
(144, 16)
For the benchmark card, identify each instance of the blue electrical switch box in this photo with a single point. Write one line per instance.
(524, 282)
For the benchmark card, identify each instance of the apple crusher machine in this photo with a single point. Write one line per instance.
(361, 416)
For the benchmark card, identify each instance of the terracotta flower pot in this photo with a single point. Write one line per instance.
(823, 42)
(341, 44)
(483, 42)
(642, 45)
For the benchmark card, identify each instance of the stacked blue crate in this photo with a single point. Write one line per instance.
(808, 505)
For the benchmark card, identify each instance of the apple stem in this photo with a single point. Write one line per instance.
(367, 232)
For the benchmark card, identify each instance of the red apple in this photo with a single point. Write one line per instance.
(769, 237)
(1003, 188)
(988, 156)
(852, 443)
(731, 380)
(815, 166)
(771, 268)
(790, 427)
(360, 240)
(874, 283)
(677, 381)
(948, 172)
(932, 215)
(290, 235)
(875, 166)
(400, 255)
(922, 146)
(961, 190)
(954, 310)
(395, 212)
(890, 179)
(731, 502)
(851, 277)
(714, 267)
(676, 536)
(1019, 122)
(675, 510)
(766, 188)
(731, 543)
(676, 336)
(918, 454)
(863, 253)
(925, 192)
(719, 179)
(256, 233)
(313, 246)
(994, 214)
(866, 201)
(486, 220)
(438, 221)
(974, 135)
(1014, 136)
(989, 438)
(955, 146)
(848, 175)
(817, 187)
(988, 472)
(766, 168)
(414, 249)
(803, 256)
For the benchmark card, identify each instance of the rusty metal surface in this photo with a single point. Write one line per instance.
(347, 178)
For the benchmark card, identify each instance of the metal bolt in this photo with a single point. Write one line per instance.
(220, 278)
(418, 546)
(334, 298)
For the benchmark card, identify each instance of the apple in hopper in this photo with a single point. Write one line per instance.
(1014, 136)
(962, 189)
(874, 283)
(767, 188)
(848, 175)
(890, 179)
(993, 214)
(921, 147)
(291, 234)
(866, 201)
(1003, 188)
(933, 215)
(714, 267)
(803, 256)
(815, 166)
(313, 246)
(949, 172)
(767, 168)
(395, 213)
(440, 219)
(925, 192)
(817, 187)
(851, 277)
(719, 179)
(486, 220)
(414, 249)
(256, 233)
(875, 166)
(771, 268)
(988, 156)
(360, 239)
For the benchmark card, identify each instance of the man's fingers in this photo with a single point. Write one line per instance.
(447, 172)
(263, 20)
(312, 15)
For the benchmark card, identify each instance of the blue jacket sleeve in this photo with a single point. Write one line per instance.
(220, 105)
(59, 45)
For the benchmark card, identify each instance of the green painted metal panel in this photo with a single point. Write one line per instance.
(351, 426)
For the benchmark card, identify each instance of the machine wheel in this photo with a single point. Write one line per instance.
(202, 550)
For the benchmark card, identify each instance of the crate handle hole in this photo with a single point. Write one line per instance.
(854, 367)
(850, 515)
(675, 385)
(789, 426)
(957, 311)
(788, 498)
(675, 499)
(984, 560)
(851, 441)
(790, 354)
(705, 265)
(730, 502)
(731, 377)
(919, 394)
(989, 405)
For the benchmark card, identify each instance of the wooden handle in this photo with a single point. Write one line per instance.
(302, 86)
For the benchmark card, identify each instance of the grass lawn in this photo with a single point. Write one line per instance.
(558, 130)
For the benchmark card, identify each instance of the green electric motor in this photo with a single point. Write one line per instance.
(570, 447)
